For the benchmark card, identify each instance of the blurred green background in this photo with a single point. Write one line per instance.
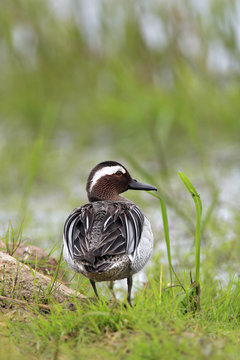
(152, 84)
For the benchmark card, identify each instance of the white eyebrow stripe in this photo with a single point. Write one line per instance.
(107, 170)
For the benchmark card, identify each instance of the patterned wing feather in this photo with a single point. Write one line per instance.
(118, 233)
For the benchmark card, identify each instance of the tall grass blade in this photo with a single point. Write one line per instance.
(210, 210)
(54, 277)
(143, 173)
(198, 205)
(166, 231)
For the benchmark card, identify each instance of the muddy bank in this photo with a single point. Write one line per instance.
(19, 281)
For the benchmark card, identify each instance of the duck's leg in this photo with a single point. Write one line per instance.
(94, 288)
(129, 283)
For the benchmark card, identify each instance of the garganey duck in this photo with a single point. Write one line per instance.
(109, 238)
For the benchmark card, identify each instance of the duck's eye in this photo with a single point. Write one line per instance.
(119, 172)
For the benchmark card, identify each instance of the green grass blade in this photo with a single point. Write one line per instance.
(198, 205)
(210, 210)
(166, 231)
(150, 179)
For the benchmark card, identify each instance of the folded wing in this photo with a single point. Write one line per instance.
(95, 242)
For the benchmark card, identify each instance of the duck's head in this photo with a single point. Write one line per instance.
(109, 179)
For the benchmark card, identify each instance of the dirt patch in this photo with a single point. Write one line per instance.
(19, 281)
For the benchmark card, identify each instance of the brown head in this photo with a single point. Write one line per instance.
(109, 179)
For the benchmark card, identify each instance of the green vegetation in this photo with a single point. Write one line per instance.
(198, 205)
(81, 84)
(152, 329)
(166, 232)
